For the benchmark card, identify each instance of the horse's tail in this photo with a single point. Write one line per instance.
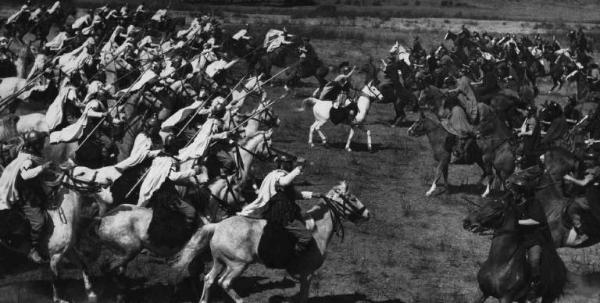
(306, 103)
(553, 273)
(197, 243)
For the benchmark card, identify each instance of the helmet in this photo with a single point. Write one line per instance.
(153, 122)
(449, 81)
(34, 137)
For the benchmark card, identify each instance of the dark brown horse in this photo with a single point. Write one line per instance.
(505, 274)
(429, 125)
(299, 67)
(498, 154)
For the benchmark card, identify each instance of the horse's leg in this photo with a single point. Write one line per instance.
(350, 135)
(232, 272)
(210, 278)
(438, 174)
(78, 257)
(310, 133)
(369, 145)
(488, 172)
(321, 133)
(54, 260)
(303, 294)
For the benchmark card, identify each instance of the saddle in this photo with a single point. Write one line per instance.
(276, 246)
(343, 114)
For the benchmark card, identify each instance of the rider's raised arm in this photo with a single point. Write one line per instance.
(29, 171)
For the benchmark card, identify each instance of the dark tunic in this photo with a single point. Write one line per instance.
(533, 234)
(283, 208)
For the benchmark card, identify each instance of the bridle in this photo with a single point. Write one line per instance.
(344, 210)
(270, 152)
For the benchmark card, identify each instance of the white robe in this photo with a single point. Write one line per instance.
(75, 131)
(54, 115)
(267, 190)
(200, 144)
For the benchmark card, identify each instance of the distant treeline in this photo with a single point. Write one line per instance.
(253, 2)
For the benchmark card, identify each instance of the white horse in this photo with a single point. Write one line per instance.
(321, 111)
(126, 227)
(234, 243)
(66, 222)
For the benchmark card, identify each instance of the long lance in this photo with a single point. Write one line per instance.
(203, 103)
(241, 124)
(232, 101)
(104, 118)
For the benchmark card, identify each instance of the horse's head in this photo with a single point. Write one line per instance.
(419, 127)
(550, 111)
(268, 117)
(260, 145)
(346, 205)
(487, 217)
(372, 92)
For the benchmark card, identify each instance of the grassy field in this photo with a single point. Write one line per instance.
(414, 249)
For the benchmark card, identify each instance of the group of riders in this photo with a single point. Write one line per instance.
(201, 120)
(497, 76)
(188, 107)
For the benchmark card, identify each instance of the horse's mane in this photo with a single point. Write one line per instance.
(8, 127)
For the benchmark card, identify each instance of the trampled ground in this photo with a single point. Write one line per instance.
(413, 250)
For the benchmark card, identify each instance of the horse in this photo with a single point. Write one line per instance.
(289, 56)
(505, 274)
(322, 111)
(438, 136)
(64, 223)
(584, 92)
(127, 229)
(234, 243)
(498, 154)
(396, 93)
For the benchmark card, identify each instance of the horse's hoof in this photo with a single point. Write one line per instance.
(311, 145)
(348, 149)
(60, 301)
(92, 298)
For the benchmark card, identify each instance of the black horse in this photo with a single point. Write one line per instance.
(505, 274)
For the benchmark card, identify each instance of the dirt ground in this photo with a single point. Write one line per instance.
(412, 250)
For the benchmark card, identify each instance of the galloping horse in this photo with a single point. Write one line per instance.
(128, 228)
(505, 274)
(322, 112)
(65, 222)
(438, 137)
(234, 243)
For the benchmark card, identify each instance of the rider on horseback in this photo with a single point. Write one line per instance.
(276, 202)
(591, 182)
(19, 185)
(5, 53)
(336, 90)
(529, 133)
(532, 225)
